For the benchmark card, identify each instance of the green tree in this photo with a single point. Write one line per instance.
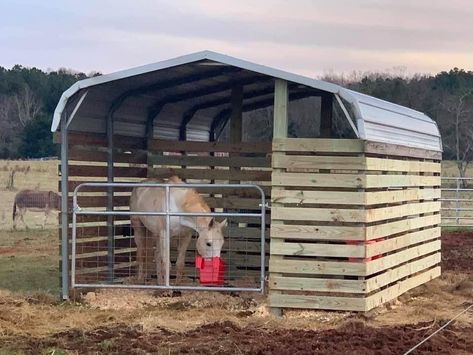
(36, 139)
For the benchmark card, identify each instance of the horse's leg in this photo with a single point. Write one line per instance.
(140, 242)
(22, 212)
(181, 254)
(46, 215)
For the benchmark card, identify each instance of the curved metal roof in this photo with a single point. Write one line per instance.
(198, 85)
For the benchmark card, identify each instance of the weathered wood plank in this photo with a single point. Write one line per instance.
(395, 274)
(302, 197)
(400, 257)
(317, 267)
(101, 171)
(279, 247)
(318, 145)
(308, 232)
(394, 196)
(354, 181)
(402, 241)
(215, 174)
(352, 215)
(187, 160)
(94, 155)
(287, 283)
(190, 146)
(400, 150)
(400, 287)
(386, 229)
(316, 302)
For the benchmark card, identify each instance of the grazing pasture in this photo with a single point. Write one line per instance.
(33, 320)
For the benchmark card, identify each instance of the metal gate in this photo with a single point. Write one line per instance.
(457, 202)
(111, 213)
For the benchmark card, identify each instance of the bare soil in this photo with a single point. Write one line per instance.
(133, 322)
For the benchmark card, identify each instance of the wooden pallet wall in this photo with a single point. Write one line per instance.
(354, 224)
(134, 160)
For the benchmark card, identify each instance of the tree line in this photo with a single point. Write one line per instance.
(28, 97)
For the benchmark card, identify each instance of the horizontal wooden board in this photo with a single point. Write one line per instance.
(400, 287)
(352, 215)
(354, 181)
(187, 160)
(317, 214)
(400, 257)
(94, 155)
(308, 232)
(399, 150)
(316, 267)
(403, 241)
(214, 174)
(404, 195)
(279, 247)
(392, 275)
(352, 163)
(302, 197)
(289, 283)
(316, 302)
(390, 228)
(96, 171)
(157, 145)
(98, 139)
(318, 145)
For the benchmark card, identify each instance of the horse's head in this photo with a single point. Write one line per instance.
(210, 240)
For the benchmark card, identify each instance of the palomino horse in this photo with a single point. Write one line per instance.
(34, 201)
(153, 199)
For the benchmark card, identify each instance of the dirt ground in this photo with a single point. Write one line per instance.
(140, 322)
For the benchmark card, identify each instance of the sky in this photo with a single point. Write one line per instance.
(308, 37)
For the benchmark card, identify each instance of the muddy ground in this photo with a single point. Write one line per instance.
(127, 322)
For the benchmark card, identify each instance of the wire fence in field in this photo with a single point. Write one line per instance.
(457, 202)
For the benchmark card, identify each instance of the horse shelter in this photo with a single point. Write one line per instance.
(352, 181)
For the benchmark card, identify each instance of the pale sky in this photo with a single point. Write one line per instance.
(308, 37)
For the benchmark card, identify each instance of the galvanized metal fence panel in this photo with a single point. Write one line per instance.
(457, 202)
(77, 210)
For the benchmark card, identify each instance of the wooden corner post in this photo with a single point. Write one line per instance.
(280, 129)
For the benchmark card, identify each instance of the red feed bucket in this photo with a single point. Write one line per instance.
(211, 270)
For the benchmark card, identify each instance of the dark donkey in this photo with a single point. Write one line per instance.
(35, 201)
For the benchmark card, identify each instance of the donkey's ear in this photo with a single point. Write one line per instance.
(224, 223)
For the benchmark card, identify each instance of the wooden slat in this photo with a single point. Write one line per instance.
(101, 201)
(317, 267)
(400, 287)
(302, 197)
(395, 274)
(318, 162)
(408, 209)
(352, 215)
(400, 257)
(287, 283)
(318, 145)
(394, 196)
(279, 247)
(100, 171)
(189, 146)
(216, 174)
(98, 139)
(317, 302)
(402, 241)
(94, 155)
(386, 229)
(211, 161)
(354, 181)
(307, 232)
(399, 150)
